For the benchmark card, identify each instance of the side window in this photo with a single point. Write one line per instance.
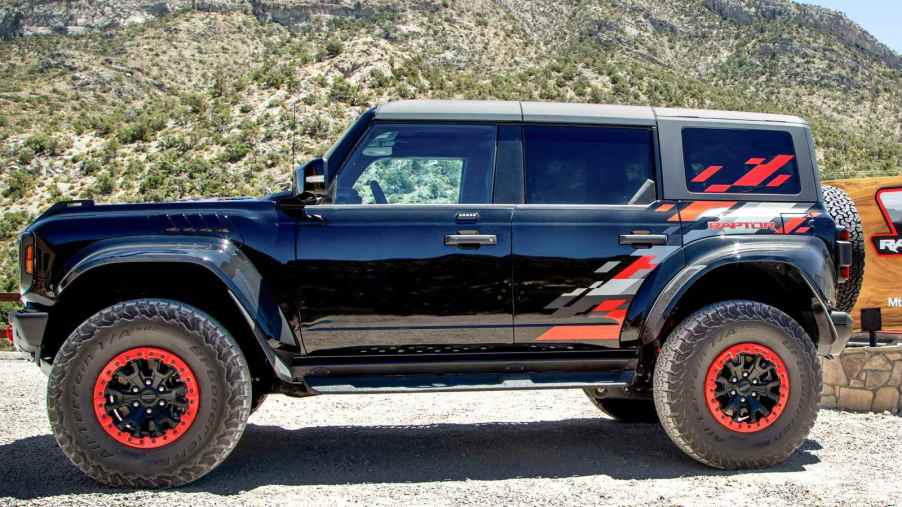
(419, 164)
(740, 161)
(589, 165)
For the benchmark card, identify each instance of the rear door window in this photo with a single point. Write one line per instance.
(740, 161)
(589, 165)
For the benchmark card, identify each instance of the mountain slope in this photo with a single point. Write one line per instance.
(150, 100)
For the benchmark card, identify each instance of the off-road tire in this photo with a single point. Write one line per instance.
(680, 377)
(625, 410)
(842, 208)
(223, 381)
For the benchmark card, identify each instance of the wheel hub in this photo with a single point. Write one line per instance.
(146, 397)
(747, 387)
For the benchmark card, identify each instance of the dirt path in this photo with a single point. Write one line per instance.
(549, 447)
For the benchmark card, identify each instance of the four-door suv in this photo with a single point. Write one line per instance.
(677, 265)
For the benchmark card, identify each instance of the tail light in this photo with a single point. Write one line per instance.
(9, 334)
(842, 234)
(29, 259)
(845, 272)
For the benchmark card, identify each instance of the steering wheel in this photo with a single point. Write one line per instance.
(378, 194)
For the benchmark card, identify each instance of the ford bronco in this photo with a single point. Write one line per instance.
(680, 266)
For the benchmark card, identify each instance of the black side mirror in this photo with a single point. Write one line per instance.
(309, 178)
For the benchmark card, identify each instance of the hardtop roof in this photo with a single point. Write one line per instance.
(558, 112)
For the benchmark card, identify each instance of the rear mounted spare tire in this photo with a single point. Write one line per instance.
(845, 214)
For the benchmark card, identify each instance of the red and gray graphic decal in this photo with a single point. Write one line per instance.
(889, 200)
(701, 219)
(606, 300)
(763, 172)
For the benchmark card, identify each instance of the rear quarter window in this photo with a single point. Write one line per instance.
(739, 161)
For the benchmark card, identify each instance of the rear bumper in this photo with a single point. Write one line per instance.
(842, 322)
(28, 331)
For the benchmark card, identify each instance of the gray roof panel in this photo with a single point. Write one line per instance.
(557, 112)
(450, 110)
(713, 114)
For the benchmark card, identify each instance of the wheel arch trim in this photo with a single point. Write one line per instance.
(793, 256)
(220, 257)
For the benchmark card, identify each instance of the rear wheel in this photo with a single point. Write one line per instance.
(736, 385)
(842, 208)
(148, 393)
(625, 410)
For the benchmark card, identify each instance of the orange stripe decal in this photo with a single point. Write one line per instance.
(609, 305)
(664, 207)
(707, 173)
(581, 333)
(696, 208)
(761, 172)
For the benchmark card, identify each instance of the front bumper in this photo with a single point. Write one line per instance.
(843, 324)
(28, 330)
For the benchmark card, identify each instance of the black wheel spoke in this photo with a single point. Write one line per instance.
(747, 388)
(146, 398)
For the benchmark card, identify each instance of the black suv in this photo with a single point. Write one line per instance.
(679, 266)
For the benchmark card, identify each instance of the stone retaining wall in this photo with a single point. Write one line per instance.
(864, 379)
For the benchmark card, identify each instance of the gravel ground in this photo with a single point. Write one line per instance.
(541, 447)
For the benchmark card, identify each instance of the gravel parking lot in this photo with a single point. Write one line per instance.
(549, 447)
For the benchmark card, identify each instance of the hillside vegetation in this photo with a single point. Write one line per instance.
(147, 100)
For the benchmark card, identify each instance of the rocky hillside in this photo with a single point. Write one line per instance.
(151, 100)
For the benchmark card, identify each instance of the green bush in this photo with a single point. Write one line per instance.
(12, 223)
(104, 184)
(25, 155)
(19, 183)
(236, 151)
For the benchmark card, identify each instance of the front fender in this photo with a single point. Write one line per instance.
(219, 256)
(808, 256)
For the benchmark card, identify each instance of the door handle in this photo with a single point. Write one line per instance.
(643, 239)
(465, 240)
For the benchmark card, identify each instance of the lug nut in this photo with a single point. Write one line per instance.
(162, 389)
(135, 404)
(754, 395)
(134, 389)
(732, 393)
(742, 400)
(745, 374)
(162, 403)
(147, 382)
(149, 411)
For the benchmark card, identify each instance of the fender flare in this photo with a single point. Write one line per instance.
(807, 257)
(220, 257)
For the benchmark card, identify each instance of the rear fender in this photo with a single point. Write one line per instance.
(807, 256)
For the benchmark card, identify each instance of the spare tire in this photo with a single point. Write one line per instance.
(845, 214)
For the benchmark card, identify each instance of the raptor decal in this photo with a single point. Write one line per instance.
(889, 200)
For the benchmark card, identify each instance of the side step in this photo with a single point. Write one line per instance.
(434, 383)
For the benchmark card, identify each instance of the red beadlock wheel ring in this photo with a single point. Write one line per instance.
(729, 387)
(179, 386)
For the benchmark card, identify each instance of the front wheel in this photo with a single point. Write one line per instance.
(737, 384)
(148, 393)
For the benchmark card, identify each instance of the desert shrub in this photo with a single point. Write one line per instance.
(103, 184)
(343, 90)
(19, 183)
(25, 155)
(236, 151)
(12, 223)
(44, 144)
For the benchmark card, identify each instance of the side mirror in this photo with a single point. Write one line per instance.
(309, 178)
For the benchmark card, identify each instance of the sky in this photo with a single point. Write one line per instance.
(882, 18)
